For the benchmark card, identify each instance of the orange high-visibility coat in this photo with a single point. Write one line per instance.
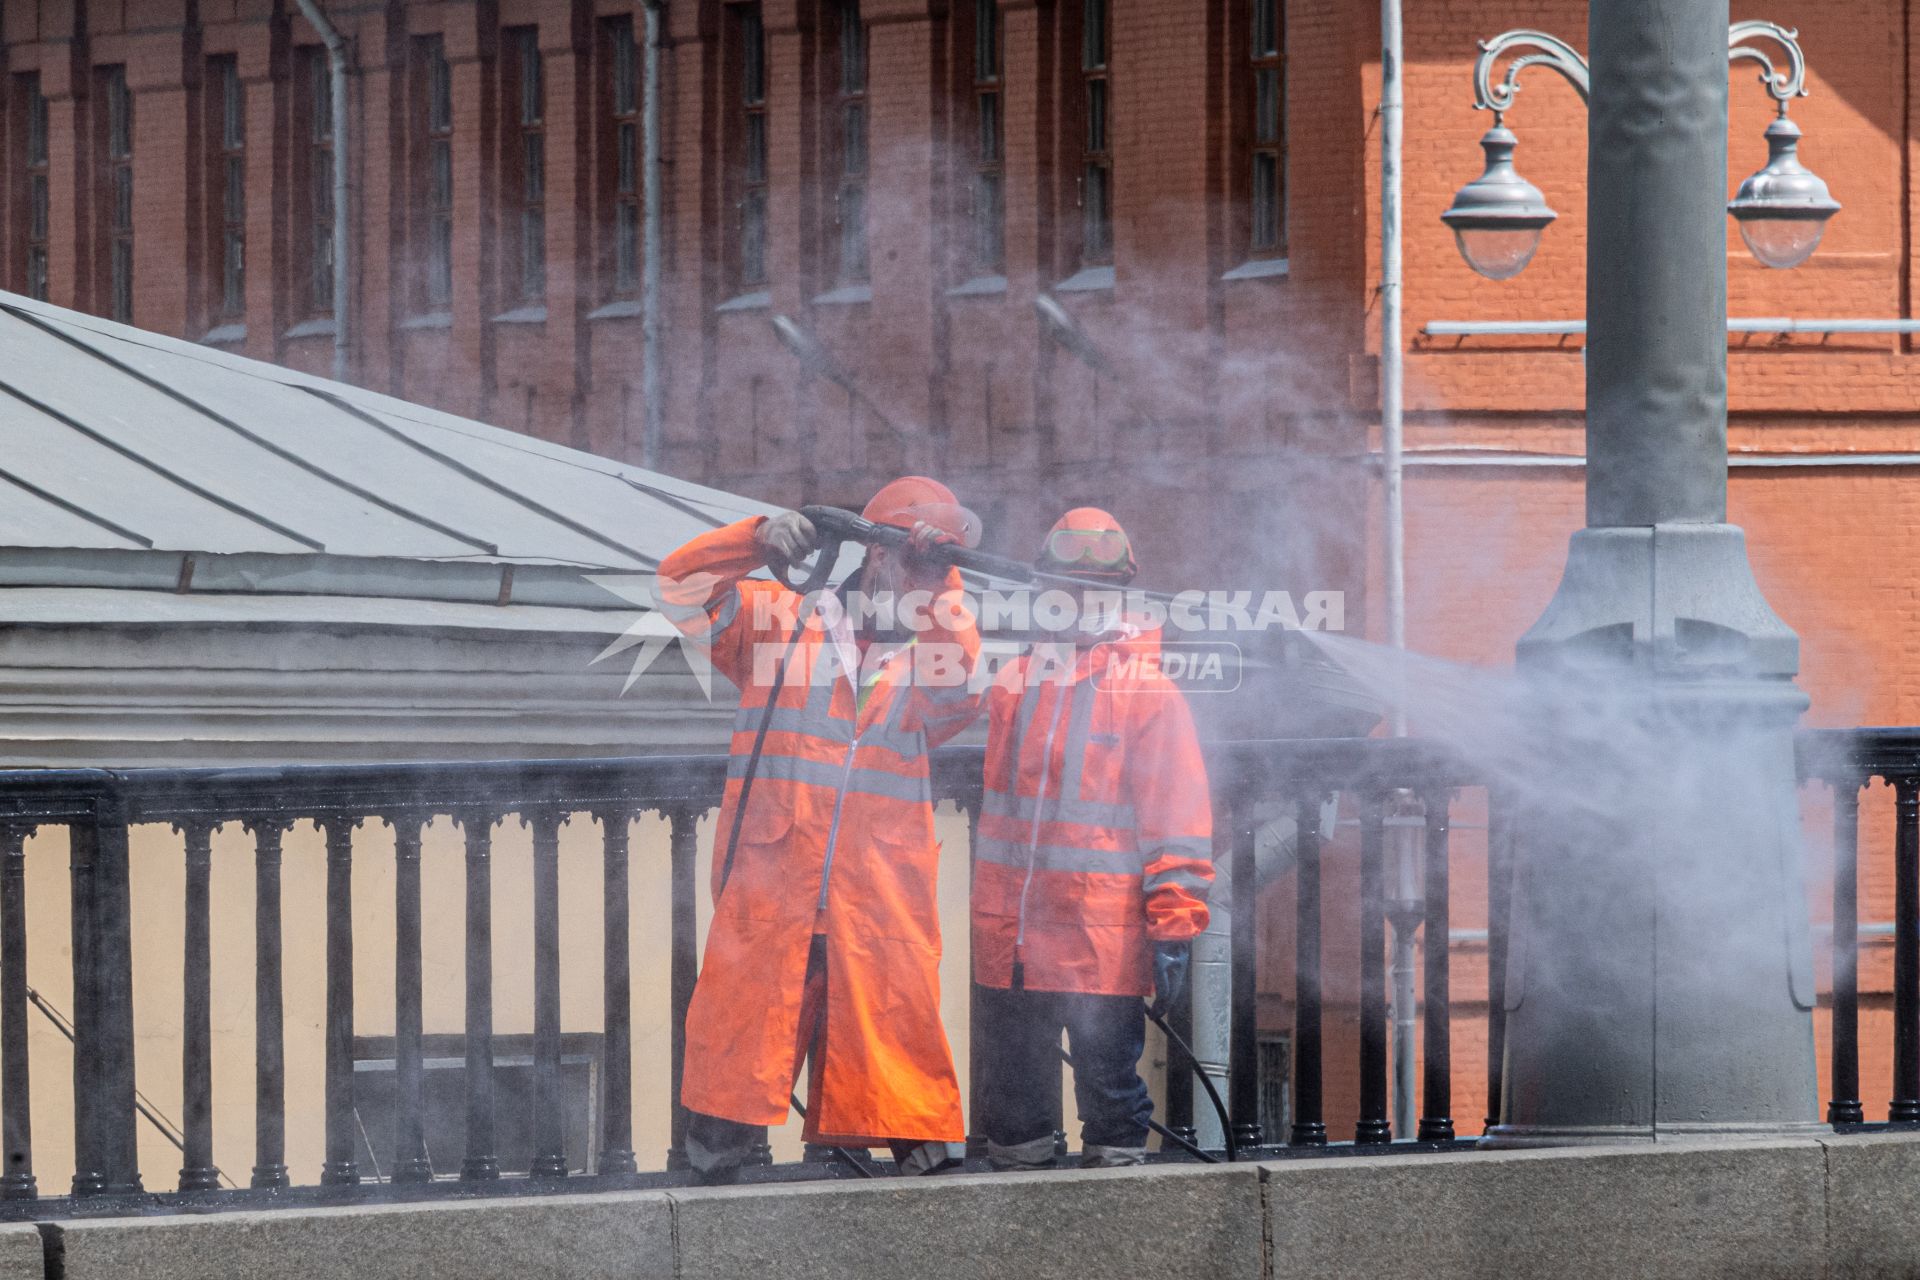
(1096, 826)
(837, 837)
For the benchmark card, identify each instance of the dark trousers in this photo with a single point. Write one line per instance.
(1019, 1032)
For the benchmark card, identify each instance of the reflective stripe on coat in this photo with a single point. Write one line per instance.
(841, 808)
(1095, 836)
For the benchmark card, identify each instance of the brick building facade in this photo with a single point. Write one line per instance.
(1192, 182)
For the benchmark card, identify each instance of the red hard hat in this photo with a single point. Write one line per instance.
(912, 500)
(1088, 543)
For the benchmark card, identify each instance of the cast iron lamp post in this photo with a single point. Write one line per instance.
(1498, 218)
(1660, 978)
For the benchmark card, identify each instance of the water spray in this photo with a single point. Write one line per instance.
(817, 363)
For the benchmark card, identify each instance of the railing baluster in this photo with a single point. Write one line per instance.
(1436, 1117)
(197, 1172)
(1500, 864)
(16, 1107)
(616, 1144)
(89, 1161)
(106, 1143)
(269, 1039)
(1243, 1071)
(1844, 1107)
(1373, 1127)
(1309, 1121)
(549, 1121)
(340, 1168)
(411, 1160)
(481, 1161)
(682, 826)
(1906, 951)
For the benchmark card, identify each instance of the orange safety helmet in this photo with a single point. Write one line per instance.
(912, 500)
(1088, 543)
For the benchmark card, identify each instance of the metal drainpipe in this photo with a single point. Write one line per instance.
(1392, 379)
(1392, 385)
(654, 440)
(342, 242)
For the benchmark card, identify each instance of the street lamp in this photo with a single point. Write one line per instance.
(1660, 972)
(1497, 219)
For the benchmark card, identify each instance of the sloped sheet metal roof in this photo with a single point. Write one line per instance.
(122, 441)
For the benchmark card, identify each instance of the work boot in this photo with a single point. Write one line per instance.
(1095, 1156)
(717, 1148)
(1022, 1156)
(930, 1157)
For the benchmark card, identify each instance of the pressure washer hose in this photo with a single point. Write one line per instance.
(1193, 1063)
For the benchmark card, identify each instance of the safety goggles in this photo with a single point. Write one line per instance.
(1089, 548)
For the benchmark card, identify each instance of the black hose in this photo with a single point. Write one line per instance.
(753, 760)
(853, 1161)
(1193, 1063)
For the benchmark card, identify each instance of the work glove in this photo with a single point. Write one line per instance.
(1170, 960)
(926, 572)
(786, 539)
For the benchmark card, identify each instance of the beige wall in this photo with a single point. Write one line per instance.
(158, 885)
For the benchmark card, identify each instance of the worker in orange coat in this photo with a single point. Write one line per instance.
(1092, 867)
(825, 941)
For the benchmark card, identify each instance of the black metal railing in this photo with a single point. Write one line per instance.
(1846, 762)
(1255, 783)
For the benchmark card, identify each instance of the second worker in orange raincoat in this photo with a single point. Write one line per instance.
(1091, 869)
(825, 941)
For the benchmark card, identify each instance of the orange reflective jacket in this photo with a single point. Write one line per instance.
(837, 838)
(1096, 827)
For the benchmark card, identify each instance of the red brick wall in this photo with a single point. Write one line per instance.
(1233, 434)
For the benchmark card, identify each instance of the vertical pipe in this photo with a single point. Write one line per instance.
(269, 1037)
(481, 1162)
(654, 441)
(1243, 1080)
(1309, 1122)
(1178, 1112)
(1436, 1116)
(1403, 1019)
(1206, 1016)
(1373, 1126)
(340, 1168)
(1844, 1107)
(197, 1171)
(549, 1120)
(411, 1159)
(685, 963)
(616, 1143)
(336, 46)
(1404, 916)
(1392, 374)
(1500, 865)
(16, 1105)
(1906, 952)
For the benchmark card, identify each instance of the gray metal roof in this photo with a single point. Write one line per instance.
(134, 461)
